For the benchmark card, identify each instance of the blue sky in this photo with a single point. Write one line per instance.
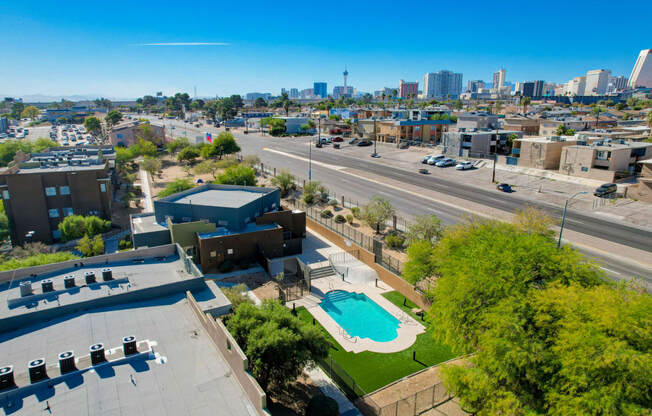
(74, 47)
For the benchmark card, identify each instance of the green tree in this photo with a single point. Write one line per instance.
(175, 186)
(276, 125)
(278, 344)
(177, 144)
(424, 227)
(479, 263)
(76, 226)
(260, 102)
(93, 125)
(562, 130)
(533, 220)
(146, 132)
(188, 154)
(238, 175)
(510, 139)
(210, 166)
(123, 156)
(648, 118)
(596, 111)
(113, 118)
(560, 350)
(237, 295)
(285, 181)
(90, 247)
(377, 211)
(143, 148)
(419, 264)
(42, 144)
(309, 190)
(16, 110)
(458, 104)
(4, 223)
(151, 165)
(223, 144)
(525, 102)
(30, 112)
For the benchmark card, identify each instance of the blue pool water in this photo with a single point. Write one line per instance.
(360, 316)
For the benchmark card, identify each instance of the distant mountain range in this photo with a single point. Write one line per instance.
(40, 98)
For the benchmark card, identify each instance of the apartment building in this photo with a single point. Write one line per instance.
(41, 191)
(126, 134)
(396, 131)
(407, 90)
(526, 125)
(605, 160)
(548, 127)
(219, 223)
(643, 190)
(597, 81)
(543, 152)
(477, 143)
(476, 120)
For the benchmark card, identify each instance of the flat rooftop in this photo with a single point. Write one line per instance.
(249, 228)
(230, 198)
(146, 223)
(185, 374)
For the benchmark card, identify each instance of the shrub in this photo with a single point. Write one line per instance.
(309, 199)
(332, 202)
(76, 226)
(326, 213)
(394, 240)
(124, 244)
(340, 219)
(349, 218)
(226, 266)
(175, 186)
(356, 212)
(322, 405)
(37, 260)
(237, 295)
(238, 175)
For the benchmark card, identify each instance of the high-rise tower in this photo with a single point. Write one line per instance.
(346, 74)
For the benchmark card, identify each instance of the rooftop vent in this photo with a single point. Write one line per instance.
(107, 275)
(25, 289)
(37, 370)
(69, 281)
(47, 286)
(129, 345)
(90, 277)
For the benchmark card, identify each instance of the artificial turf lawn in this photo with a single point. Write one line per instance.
(372, 370)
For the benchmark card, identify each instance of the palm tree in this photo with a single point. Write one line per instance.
(525, 102)
(596, 112)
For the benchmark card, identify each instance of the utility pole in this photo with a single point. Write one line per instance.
(563, 216)
(375, 139)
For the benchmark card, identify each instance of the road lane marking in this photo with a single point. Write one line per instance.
(609, 270)
(314, 162)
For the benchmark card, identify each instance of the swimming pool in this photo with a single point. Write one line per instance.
(360, 316)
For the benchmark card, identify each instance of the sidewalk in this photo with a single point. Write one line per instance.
(147, 191)
(327, 387)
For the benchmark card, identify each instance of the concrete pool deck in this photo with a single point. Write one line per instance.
(407, 331)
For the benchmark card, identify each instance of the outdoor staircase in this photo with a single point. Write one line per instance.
(320, 272)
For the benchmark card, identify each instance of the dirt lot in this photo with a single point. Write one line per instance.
(172, 170)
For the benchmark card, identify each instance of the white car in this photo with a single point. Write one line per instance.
(445, 162)
(464, 166)
(426, 158)
(435, 159)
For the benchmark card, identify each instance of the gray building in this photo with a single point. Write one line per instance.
(4, 124)
(477, 120)
(442, 84)
(477, 143)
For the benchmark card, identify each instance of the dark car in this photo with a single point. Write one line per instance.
(353, 141)
(365, 143)
(424, 171)
(605, 189)
(505, 187)
(337, 139)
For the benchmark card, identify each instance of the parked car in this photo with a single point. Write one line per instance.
(605, 189)
(365, 143)
(426, 158)
(337, 139)
(424, 171)
(464, 166)
(505, 187)
(435, 159)
(445, 162)
(353, 141)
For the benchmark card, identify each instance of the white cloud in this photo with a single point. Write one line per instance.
(185, 44)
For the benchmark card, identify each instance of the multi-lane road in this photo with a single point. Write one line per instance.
(333, 170)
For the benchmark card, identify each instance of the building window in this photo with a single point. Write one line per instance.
(54, 213)
(67, 212)
(229, 251)
(51, 191)
(585, 169)
(56, 234)
(64, 190)
(119, 135)
(5, 194)
(103, 187)
(213, 253)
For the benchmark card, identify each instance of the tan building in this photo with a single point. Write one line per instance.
(126, 134)
(603, 160)
(643, 190)
(540, 152)
(526, 125)
(395, 131)
(548, 127)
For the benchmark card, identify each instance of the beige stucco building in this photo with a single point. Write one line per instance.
(126, 134)
(606, 161)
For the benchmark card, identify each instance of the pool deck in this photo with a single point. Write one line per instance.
(408, 328)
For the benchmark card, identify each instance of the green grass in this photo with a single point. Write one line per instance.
(372, 370)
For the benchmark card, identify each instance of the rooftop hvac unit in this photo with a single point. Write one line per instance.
(37, 370)
(25, 289)
(129, 345)
(47, 285)
(67, 362)
(97, 354)
(69, 281)
(90, 277)
(7, 377)
(107, 275)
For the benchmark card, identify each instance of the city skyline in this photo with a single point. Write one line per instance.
(79, 48)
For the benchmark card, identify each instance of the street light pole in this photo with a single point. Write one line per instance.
(563, 216)
(375, 137)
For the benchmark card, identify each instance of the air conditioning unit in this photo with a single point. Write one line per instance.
(90, 277)
(47, 285)
(25, 289)
(129, 345)
(37, 370)
(107, 274)
(69, 281)
(7, 377)
(97, 354)
(67, 362)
